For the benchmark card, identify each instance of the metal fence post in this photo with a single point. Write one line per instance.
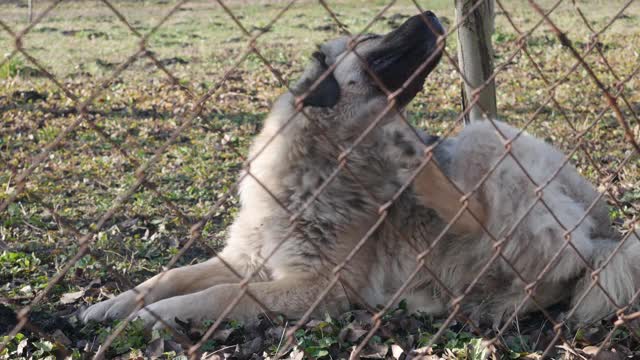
(475, 55)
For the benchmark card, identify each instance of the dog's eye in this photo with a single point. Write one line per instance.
(351, 82)
(367, 37)
(358, 40)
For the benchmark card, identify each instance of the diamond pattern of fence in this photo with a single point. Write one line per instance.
(615, 98)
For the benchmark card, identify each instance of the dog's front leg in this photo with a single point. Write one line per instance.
(293, 296)
(178, 281)
(437, 191)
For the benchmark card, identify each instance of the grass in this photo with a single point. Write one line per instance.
(82, 45)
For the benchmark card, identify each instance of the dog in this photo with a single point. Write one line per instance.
(329, 191)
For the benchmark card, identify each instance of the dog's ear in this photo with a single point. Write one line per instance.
(327, 93)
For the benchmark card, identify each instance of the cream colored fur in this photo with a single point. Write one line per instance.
(293, 159)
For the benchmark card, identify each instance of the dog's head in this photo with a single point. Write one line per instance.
(401, 59)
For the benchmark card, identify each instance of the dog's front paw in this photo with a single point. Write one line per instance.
(119, 307)
(172, 312)
(153, 319)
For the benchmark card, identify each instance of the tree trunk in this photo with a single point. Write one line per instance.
(30, 11)
(475, 56)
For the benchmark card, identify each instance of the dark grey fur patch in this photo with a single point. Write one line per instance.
(326, 93)
(408, 149)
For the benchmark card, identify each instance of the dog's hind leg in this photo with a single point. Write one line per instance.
(292, 295)
(174, 282)
(618, 276)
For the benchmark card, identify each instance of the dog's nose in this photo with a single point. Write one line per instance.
(433, 22)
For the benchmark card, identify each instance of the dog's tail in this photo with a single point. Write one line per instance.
(618, 272)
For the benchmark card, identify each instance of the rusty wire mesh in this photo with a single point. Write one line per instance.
(612, 95)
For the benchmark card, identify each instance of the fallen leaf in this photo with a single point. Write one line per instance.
(608, 355)
(296, 354)
(396, 351)
(21, 346)
(427, 350)
(26, 290)
(352, 333)
(211, 356)
(60, 337)
(532, 357)
(222, 335)
(155, 348)
(71, 297)
(363, 317)
(249, 348)
(375, 351)
(590, 350)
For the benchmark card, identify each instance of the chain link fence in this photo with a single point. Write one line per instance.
(615, 98)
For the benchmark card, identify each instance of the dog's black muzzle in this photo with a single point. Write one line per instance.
(405, 56)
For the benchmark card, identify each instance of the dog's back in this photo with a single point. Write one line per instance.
(541, 207)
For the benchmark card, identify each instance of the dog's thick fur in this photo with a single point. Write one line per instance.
(293, 161)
